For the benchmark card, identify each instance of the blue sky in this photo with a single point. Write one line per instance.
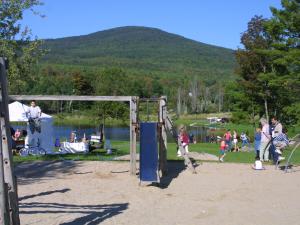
(216, 22)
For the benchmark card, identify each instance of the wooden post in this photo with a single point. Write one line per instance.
(133, 130)
(163, 136)
(4, 213)
(7, 166)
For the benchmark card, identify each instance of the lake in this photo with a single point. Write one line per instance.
(113, 133)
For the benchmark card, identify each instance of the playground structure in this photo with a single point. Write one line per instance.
(8, 186)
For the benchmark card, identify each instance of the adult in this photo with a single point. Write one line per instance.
(277, 127)
(34, 117)
(228, 137)
(276, 130)
(265, 140)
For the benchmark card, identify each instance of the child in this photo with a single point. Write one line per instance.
(222, 150)
(280, 142)
(184, 138)
(257, 164)
(257, 138)
(235, 141)
(245, 140)
(228, 137)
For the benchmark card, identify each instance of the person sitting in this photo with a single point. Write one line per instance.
(258, 164)
(280, 142)
(15, 138)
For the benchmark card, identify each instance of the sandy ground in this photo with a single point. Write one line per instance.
(194, 155)
(103, 192)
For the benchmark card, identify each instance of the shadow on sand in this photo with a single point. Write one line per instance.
(290, 168)
(44, 193)
(93, 214)
(28, 173)
(174, 169)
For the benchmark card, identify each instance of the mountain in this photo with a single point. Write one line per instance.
(144, 51)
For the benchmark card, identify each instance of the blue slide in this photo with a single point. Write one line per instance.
(148, 152)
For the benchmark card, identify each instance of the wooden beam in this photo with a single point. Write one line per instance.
(163, 136)
(69, 98)
(133, 130)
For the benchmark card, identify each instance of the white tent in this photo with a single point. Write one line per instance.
(17, 113)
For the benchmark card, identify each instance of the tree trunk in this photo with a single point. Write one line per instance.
(179, 102)
(266, 109)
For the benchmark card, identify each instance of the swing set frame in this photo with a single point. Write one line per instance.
(9, 210)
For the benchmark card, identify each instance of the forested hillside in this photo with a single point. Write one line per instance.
(144, 51)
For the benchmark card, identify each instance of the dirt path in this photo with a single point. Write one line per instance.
(104, 192)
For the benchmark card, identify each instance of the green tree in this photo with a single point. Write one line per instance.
(16, 43)
(253, 68)
(284, 30)
(82, 86)
(269, 65)
(112, 82)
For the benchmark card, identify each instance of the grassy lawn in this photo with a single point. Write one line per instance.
(122, 148)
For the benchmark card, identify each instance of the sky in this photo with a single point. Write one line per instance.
(216, 22)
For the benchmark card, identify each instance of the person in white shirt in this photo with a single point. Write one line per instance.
(265, 140)
(33, 114)
(258, 164)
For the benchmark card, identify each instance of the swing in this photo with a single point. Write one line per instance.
(97, 139)
(74, 145)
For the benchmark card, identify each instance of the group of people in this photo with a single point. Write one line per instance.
(229, 142)
(270, 140)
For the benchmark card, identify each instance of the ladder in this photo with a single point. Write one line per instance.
(171, 128)
(9, 209)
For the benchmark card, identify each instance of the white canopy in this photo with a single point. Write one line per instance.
(17, 113)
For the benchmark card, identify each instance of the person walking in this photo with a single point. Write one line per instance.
(222, 150)
(184, 139)
(228, 137)
(245, 141)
